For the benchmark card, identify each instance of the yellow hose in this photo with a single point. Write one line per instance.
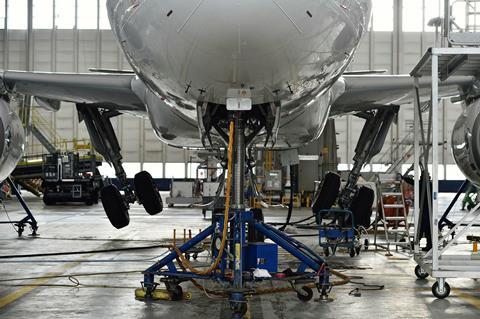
(217, 261)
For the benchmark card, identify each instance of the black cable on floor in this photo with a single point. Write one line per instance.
(85, 252)
(368, 286)
(110, 273)
(8, 216)
(293, 223)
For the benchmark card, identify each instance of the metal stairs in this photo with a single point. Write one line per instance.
(392, 215)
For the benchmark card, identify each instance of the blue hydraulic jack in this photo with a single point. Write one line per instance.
(29, 219)
(231, 269)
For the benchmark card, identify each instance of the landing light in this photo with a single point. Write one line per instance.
(239, 100)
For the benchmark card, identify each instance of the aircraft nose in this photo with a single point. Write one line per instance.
(238, 29)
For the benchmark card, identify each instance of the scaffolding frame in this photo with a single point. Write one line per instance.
(462, 35)
(440, 64)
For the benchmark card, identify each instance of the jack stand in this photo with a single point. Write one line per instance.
(312, 268)
(29, 219)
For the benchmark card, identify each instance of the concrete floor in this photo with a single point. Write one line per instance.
(78, 228)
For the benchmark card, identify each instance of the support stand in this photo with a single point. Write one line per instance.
(444, 221)
(440, 262)
(29, 219)
(231, 269)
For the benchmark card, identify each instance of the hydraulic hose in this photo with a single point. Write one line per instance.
(217, 261)
(293, 186)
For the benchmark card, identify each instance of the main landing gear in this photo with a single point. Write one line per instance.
(116, 199)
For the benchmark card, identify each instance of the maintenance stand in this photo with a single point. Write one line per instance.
(232, 251)
(28, 220)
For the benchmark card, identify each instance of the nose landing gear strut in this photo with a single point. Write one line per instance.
(230, 269)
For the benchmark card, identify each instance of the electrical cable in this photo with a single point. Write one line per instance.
(293, 186)
(217, 261)
(84, 252)
(86, 260)
(74, 275)
(8, 216)
(293, 223)
(368, 286)
(99, 239)
(75, 284)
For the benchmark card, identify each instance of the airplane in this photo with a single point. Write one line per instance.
(278, 68)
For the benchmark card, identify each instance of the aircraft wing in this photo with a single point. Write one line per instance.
(365, 92)
(105, 90)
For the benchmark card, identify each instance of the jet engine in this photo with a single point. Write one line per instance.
(11, 139)
(466, 142)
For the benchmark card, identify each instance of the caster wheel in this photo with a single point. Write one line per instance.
(187, 256)
(441, 294)
(239, 309)
(195, 256)
(358, 250)
(326, 251)
(365, 244)
(170, 205)
(176, 293)
(147, 193)
(420, 273)
(115, 206)
(352, 252)
(306, 295)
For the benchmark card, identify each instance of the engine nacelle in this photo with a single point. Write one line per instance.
(466, 142)
(12, 137)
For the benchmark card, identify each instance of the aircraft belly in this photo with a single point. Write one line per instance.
(177, 128)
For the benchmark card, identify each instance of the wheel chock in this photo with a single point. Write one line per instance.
(158, 294)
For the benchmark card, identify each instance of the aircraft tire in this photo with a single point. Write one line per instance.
(147, 193)
(327, 193)
(115, 206)
(361, 206)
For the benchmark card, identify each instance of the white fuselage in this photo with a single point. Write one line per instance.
(286, 51)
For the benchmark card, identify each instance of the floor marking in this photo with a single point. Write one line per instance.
(473, 300)
(8, 299)
(19, 293)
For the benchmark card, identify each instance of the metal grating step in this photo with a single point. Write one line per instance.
(394, 218)
(392, 194)
(394, 206)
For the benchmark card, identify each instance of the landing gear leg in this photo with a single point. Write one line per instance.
(106, 143)
(370, 144)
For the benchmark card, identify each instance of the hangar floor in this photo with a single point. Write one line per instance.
(81, 228)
